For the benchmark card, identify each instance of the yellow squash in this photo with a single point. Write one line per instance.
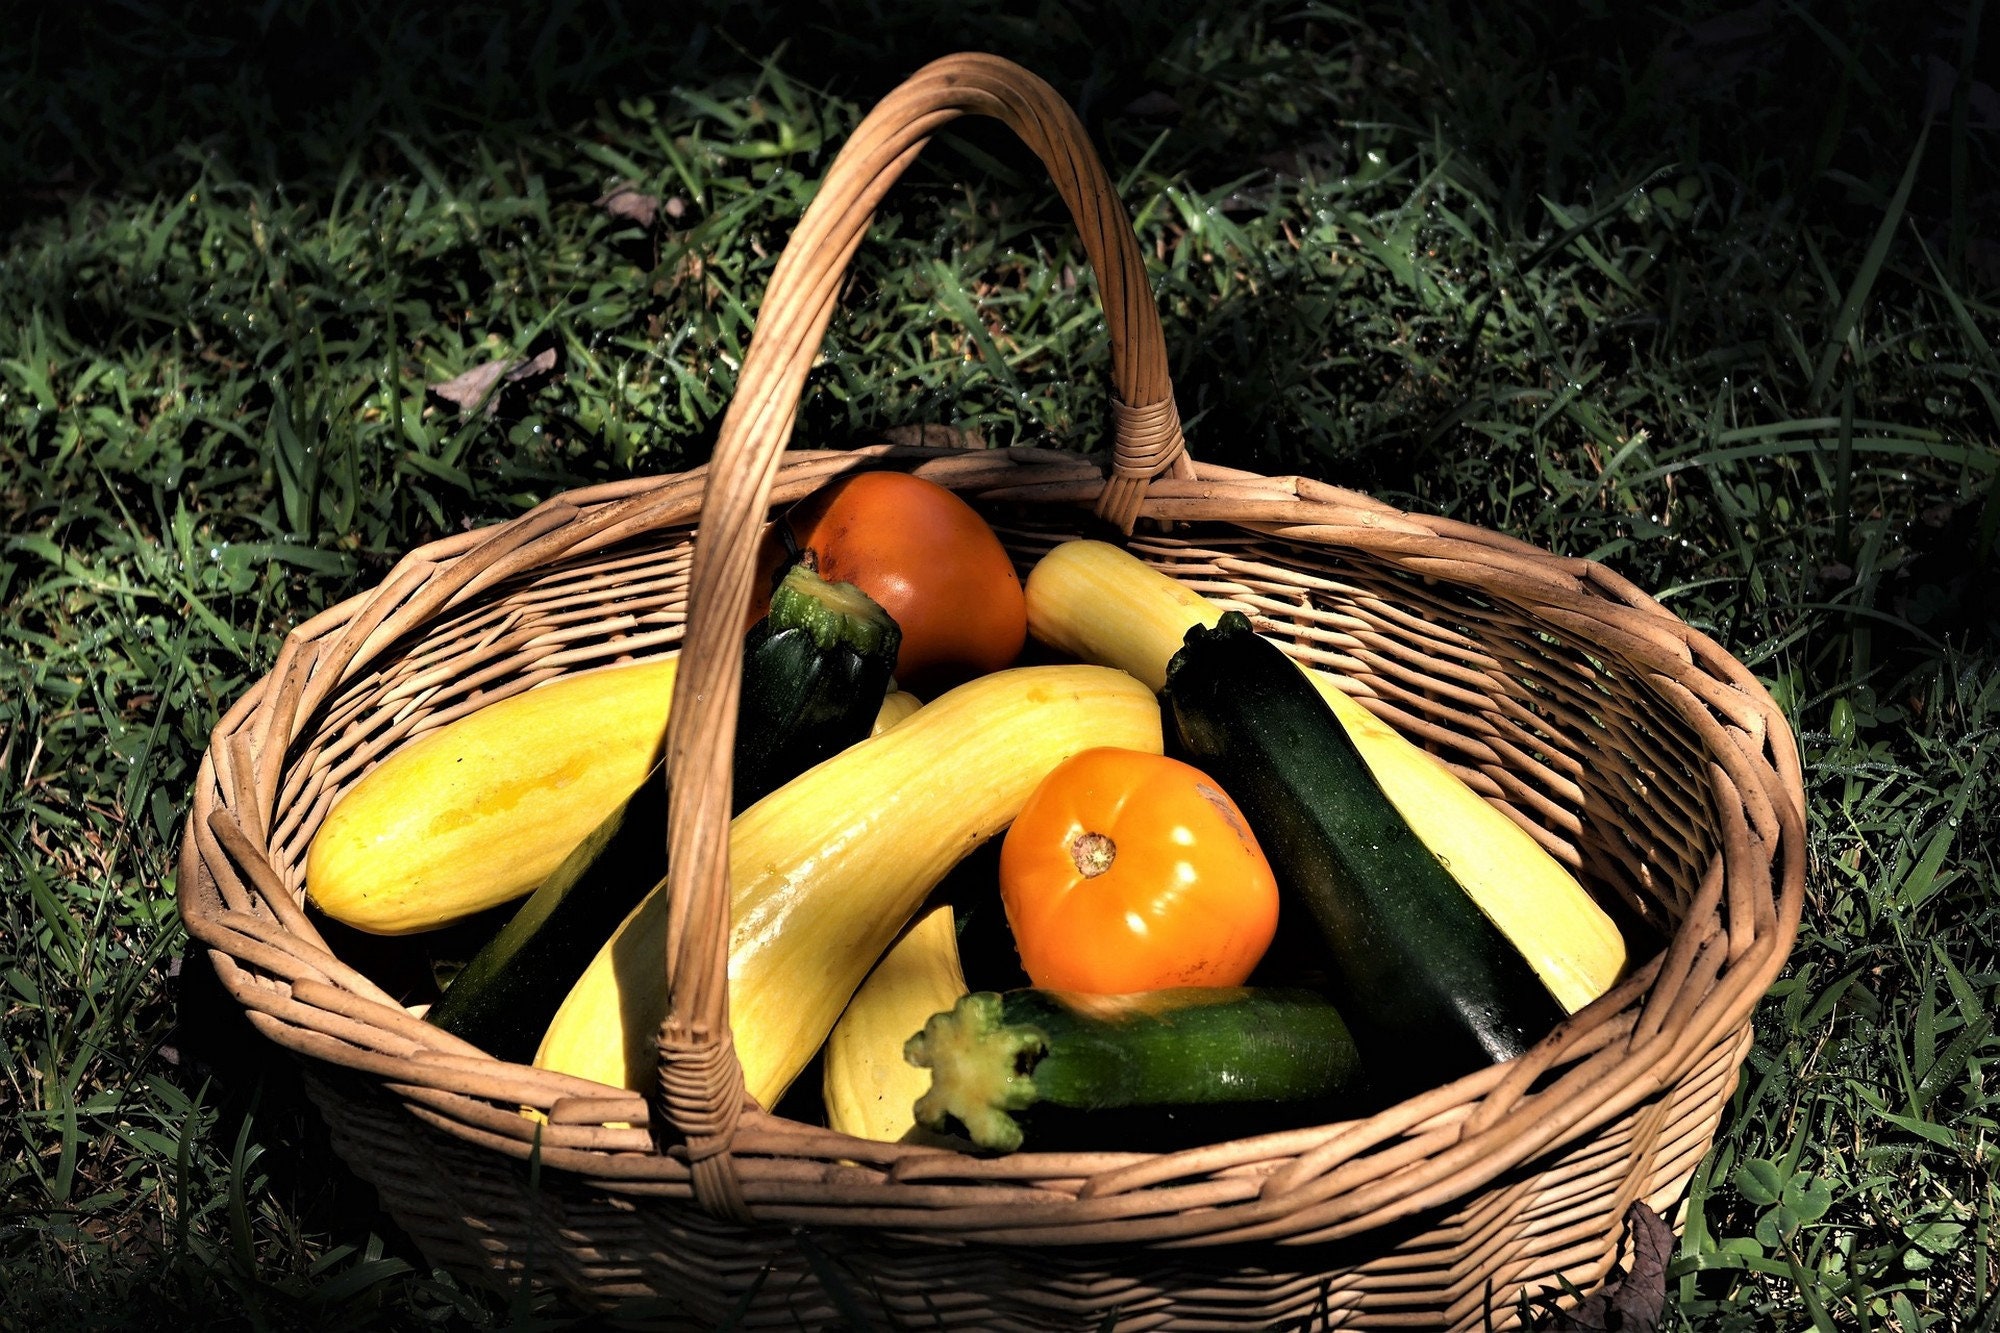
(1104, 605)
(481, 810)
(896, 705)
(869, 1088)
(826, 870)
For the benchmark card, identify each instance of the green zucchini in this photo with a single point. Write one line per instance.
(1431, 987)
(814, 674)
(1128, 1061)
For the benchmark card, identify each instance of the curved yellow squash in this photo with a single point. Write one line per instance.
(1103, 604)
(869, 1088)
(896, 705)
(481, 810)
(825, 871)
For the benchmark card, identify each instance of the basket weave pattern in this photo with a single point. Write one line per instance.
(1630, 745)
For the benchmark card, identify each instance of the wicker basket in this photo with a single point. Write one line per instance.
(1631, 746)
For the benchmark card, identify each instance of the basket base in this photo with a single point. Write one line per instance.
(665, 1264)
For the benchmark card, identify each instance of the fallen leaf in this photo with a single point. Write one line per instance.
(1938, 515)
(1635, 1302)
(481, 384)
(626, 202)
(936, 434)
(1154, 105)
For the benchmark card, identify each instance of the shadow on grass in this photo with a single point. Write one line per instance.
(292, 1240)
(1540, 101)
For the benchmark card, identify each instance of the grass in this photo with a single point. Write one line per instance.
(1709, 293)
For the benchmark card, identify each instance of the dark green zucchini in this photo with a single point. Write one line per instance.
(1431, 988)
(814, 674)
(1129, 1060)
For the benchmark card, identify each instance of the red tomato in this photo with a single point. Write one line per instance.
(931, 562)
(1130, 872)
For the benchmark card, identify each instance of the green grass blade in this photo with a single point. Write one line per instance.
(1961, 138)
(1871, 267)
(1843, 479)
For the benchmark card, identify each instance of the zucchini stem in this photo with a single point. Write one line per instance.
(981, 1067)
(835, 614)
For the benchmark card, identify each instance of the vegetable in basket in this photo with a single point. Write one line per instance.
(1102, 604)
(814, 672)
(1134, 1064)
(483, 809)
(1133, 872)
(897, 706)
(1432, 989)
(827, 869)
(930, 560)
(867, 1086)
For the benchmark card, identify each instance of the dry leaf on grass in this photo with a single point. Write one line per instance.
(1154, 105)
(1635, 1302)
(936, 433)
(481, 384)
(628, 203)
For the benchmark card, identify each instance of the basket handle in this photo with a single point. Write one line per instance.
(700, 1093)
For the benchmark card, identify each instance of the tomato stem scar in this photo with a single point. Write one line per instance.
(1093, 853)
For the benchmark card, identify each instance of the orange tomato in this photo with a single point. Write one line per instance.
(1130, 872)
(931, 562)
(773, 563)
